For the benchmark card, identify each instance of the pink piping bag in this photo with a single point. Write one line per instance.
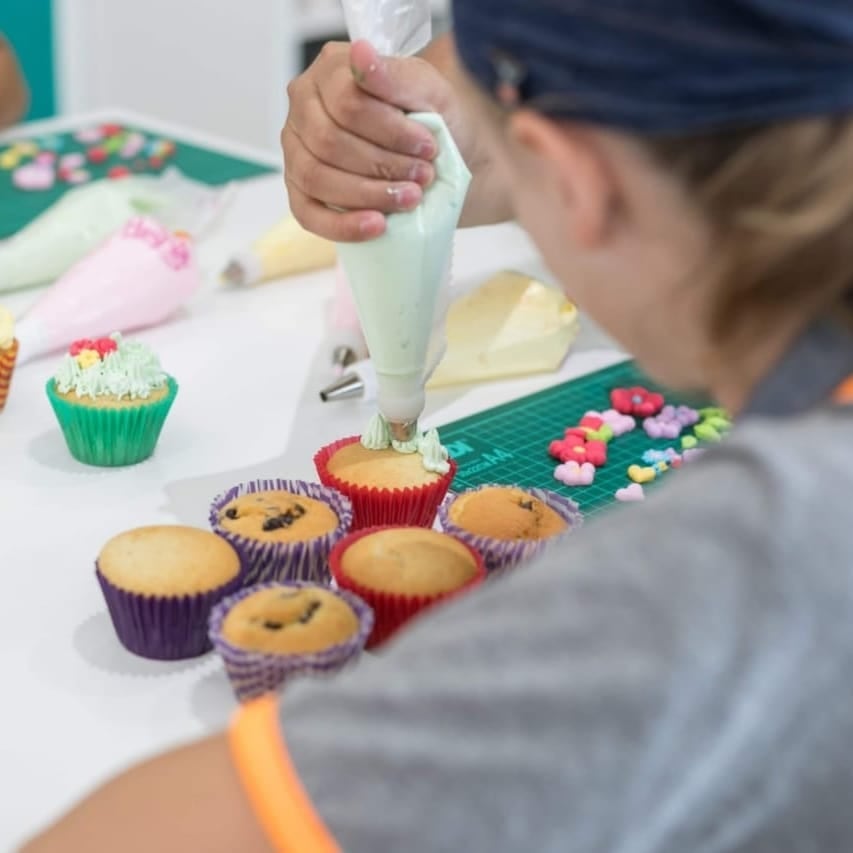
(138, 278)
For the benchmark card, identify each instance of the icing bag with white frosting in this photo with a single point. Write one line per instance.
(87, 215)
(138, 278)
(399, 280)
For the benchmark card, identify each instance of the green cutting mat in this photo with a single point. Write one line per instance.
(509, 444)
(19, 207)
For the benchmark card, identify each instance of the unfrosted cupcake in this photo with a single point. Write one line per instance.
(282, 529)
(111, 398)
(400, 571)
(270, 633)
(387, 482)
(8, 353)
(508, 525)
(160, 583)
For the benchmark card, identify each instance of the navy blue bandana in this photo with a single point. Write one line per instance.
(662, 66)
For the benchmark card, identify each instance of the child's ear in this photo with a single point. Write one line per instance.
(576, 161)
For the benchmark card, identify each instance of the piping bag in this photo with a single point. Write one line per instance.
(399, 280)
(87, 215)
(137, 278)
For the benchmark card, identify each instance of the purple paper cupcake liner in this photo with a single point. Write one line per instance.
(253, 673)
(307, 560)
(161, 627)
(502, 554)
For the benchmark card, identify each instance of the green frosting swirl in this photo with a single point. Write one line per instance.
(377, 436)
(131, 370)
(435, 458)
(434, 453)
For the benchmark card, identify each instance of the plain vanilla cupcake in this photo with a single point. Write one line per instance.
(388, 482)
(111, 397)
(508, 525)
(270, 633)
(160, 583)
(399, 571)
(282, 529)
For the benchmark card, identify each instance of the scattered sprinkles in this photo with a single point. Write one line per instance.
(38, 164)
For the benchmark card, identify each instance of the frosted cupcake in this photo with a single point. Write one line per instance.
(401, 571)
(160, 584)
(508, 525)
(388, 482)
(8, 353)
(271, 633)
(111, 398)
(282, 529)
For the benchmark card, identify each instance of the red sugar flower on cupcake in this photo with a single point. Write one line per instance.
(637, 401)
(89, 351)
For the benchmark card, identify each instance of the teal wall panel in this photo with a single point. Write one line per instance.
(28, 25)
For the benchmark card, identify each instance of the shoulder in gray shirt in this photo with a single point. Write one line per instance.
(677, 677)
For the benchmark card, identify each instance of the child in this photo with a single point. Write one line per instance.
(676, 676)
(14, 96)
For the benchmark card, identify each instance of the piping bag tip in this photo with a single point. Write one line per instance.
(233, 275)
(347, 387)
(343, 356)
(403, 431)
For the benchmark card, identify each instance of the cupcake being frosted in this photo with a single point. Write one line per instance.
(111, 397)
(8, 353)
(388, 481)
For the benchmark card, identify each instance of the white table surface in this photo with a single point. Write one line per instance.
(76, 707)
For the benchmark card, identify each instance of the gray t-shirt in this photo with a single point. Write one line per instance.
(676, 677)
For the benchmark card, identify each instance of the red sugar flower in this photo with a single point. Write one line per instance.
(636, 401)
(78, 346)
(105, 345)
(577, 447)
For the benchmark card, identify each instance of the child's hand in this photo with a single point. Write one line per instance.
(349, 145)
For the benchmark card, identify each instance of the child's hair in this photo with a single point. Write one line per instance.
(779, 199)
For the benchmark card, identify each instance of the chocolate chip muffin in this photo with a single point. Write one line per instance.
(290, 620)
(282, 529)
(271, 633)
(506, 512)
(277, 516)
(509, 525)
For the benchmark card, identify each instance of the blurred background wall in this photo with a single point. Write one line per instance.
(220, 66)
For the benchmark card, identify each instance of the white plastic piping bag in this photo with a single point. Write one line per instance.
(393, 27)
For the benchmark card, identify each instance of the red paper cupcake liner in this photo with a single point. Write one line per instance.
(414, 506)
(8, 357)
(392, 610)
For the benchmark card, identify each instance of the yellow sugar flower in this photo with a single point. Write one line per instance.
(88, 357)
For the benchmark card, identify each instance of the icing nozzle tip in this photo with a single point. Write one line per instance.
(234, 274)
(403, 430)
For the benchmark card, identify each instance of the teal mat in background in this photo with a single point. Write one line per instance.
(19, 207)
(28, 25)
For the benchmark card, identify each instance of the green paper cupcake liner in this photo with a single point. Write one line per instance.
(111, 438)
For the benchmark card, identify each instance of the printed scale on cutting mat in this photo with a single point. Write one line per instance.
(509, 444)
(512, 325)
